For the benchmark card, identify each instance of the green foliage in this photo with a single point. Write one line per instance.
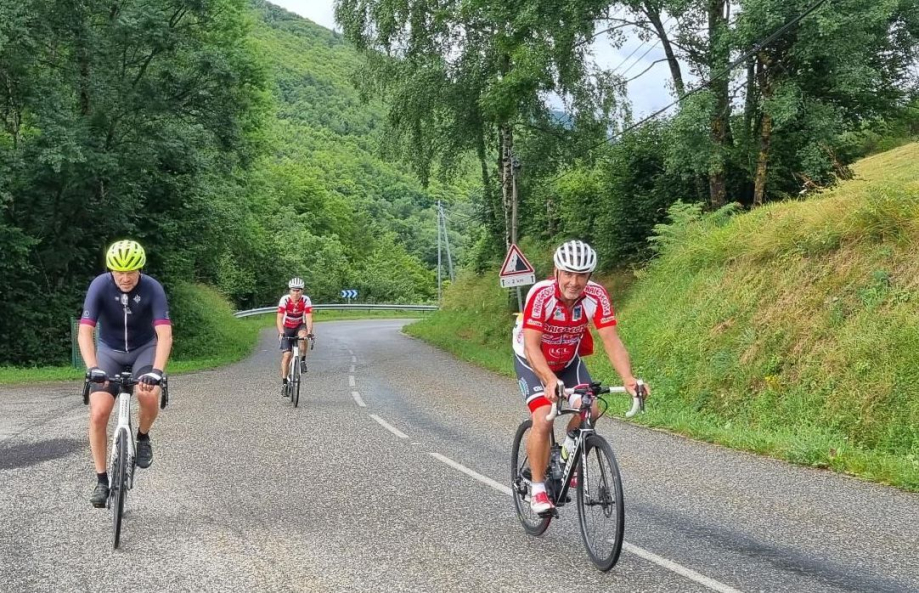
(203, 325)
(790, 331)
(225, 136)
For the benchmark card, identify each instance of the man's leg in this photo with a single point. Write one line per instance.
(302, 334)
(100, 408)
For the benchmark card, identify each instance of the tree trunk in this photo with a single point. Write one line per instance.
(720, 130)
(654, 16)
(507, 190)
(759, 183)
(765, 134)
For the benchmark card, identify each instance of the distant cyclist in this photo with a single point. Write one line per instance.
(550, 337)
(295, 318)
(136, 334)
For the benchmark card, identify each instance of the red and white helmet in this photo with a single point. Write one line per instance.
(575, 256)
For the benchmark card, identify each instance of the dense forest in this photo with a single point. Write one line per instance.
(226, 136)
(242, 144)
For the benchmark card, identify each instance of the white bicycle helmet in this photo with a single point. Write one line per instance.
(575, 256)
(295, 283)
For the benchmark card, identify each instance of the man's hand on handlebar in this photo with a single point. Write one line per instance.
(96, 375)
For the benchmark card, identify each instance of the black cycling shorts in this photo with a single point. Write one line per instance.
(139, 361)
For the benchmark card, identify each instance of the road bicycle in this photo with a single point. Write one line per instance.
(294, 371)
(601, 509)
(123, 459)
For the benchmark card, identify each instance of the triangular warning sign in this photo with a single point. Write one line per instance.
(515, 263)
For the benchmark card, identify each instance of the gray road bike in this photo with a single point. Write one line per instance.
(124, 448)
(294, 372)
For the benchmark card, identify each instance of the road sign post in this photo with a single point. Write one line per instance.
(349, 293)
(516, 272)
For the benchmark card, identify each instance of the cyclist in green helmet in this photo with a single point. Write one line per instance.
(135, 334)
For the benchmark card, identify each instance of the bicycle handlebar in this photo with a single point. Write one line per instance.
(126, 380)
(638, 400)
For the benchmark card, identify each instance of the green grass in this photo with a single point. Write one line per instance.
(790, 331)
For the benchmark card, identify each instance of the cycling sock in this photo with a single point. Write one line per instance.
(102, 478)
(284, 380)
(142, 436)
(539, 487)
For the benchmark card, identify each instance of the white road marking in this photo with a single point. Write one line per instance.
(351, 370)
(357, 398)
(353, 359)
(680, 569)
(485, 480)
(350, 380)
(350, 351)
(389, 427)
(660, 561)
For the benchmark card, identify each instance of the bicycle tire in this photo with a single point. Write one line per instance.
(520, 466)
(599, 496)
(295, 387)
(119, 485)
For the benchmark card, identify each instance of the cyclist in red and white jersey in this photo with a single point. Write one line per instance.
(295, 318)
(550, 337)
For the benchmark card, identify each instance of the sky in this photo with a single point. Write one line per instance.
(647, 94)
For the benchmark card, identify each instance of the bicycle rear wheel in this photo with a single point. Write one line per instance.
(119, 485)
(520, 473)
(601, 508)
(295, 384)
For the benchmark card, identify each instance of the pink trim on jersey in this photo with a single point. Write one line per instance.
(88, 322)
(157, 322)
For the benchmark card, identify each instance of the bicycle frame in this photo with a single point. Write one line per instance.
(124, 424)
(588, 398)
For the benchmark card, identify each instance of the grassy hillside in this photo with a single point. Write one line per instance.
(792, 330)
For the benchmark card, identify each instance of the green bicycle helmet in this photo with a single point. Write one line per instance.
(125, 256)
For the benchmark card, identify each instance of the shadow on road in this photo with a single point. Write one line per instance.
(29, 454)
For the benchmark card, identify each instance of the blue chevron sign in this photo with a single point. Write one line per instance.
(349, 293)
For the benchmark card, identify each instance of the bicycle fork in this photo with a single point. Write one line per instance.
(124, 424)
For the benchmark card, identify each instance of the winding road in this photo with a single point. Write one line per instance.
(393, 474)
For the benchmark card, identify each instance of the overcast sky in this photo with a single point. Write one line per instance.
(647, 94)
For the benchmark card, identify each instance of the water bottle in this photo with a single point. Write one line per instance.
(570, 441)
(555, 463)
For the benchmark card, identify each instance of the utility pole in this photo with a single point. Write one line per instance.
(443, 222)
(438, 255)
(515, 168)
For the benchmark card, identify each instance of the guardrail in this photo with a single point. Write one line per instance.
(343, 307)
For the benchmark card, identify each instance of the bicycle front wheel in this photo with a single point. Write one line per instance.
(520, 475)
(119, 485)
(601, 508)
(295, 385)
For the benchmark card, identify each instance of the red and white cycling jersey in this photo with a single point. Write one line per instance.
(565, 331)
(294, 311)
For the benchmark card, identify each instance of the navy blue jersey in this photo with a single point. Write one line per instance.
(128, 319)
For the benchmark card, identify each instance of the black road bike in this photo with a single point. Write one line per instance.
(598, 493)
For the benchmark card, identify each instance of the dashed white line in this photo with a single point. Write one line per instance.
(350, 351)
(680, 569)
(641, 552)
(389, 427)
(353, 359)
(350, 380)
(351, 370)
(485, 480)
(357, 398)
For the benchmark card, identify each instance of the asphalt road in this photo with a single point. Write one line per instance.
(392, 476)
